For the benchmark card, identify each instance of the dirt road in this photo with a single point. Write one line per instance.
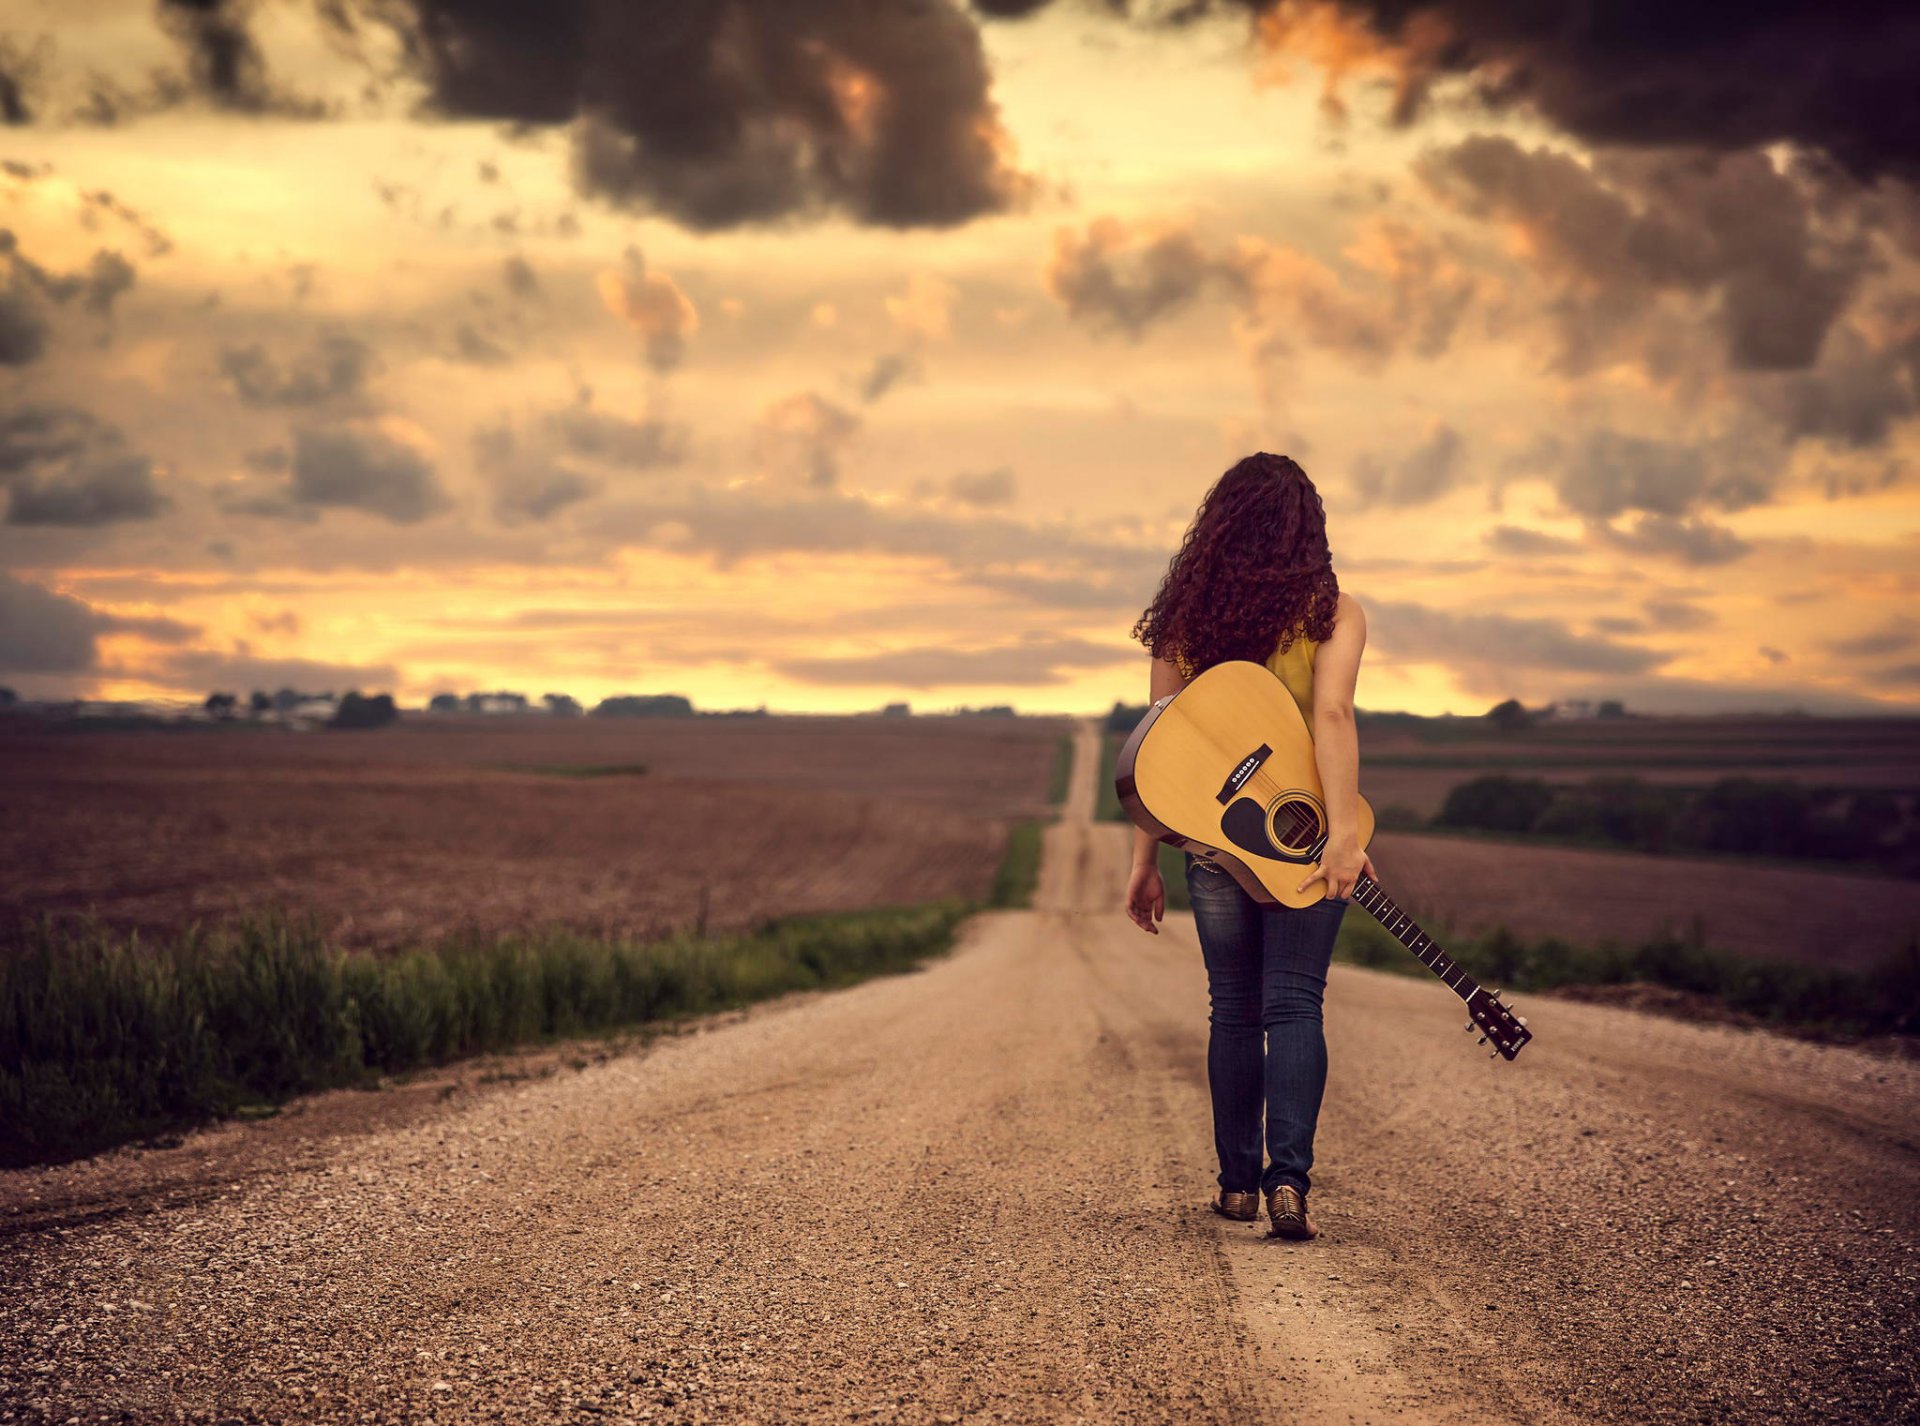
(976, 1193)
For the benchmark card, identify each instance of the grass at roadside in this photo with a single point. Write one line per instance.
(1839, 1003)
(1019, 870)
(1062, 770)
(1107, 806)
(106, 1036)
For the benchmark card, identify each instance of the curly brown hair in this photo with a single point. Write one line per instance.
(1252, 575)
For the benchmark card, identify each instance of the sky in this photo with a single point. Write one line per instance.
(816, 354)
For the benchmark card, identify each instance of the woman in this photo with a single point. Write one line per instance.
(1254, 580)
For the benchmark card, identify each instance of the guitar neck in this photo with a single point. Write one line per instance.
(1407, 932)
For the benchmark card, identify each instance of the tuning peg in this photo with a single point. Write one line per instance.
(1520, 1019)
(1468, 1027)
(1493, 1054)
(1496, 995)
(1481, 1041)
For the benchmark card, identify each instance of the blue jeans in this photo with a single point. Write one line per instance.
(1266, 978)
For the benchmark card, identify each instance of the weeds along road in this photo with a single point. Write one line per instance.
(976, 1192)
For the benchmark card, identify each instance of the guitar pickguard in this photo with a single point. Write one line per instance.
(1249, 826)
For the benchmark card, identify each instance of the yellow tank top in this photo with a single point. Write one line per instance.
(1294, 667)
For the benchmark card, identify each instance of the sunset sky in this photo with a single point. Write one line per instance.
(817, 353)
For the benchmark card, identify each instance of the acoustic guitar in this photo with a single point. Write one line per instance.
(1224, 769)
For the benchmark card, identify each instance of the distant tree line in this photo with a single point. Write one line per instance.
(560, 705)
(1742, 815)
(644, 705)
(1511, 716)
(352, 709)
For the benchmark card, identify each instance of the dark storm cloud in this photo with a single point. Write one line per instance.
(636, 443)
(23, 325)
(1867, 384)
(1424, 474)
(1415, 632)
(470, 344)
(335, 367)
(1121, 278)
(888, 371)
(100, 201)
(1113, 279)
(1675, 614)
(30, 293)
(224, 61)
(347, 467)
(1607, 473)
(42, 631)
(61, 465)
(1690, 541)
(1031, 663)
(722, 115)
(1893, 639)
(521, 279)
(983, 487)
(1729, 227)
(1524, 543)
(530, 483)
(1837, 77)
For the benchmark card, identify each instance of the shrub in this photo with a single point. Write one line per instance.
(1496, 803)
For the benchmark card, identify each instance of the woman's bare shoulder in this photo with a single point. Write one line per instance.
(1348, 607)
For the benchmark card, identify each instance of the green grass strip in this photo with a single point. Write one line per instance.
(106, 1037)
(1107, 806)
(1882, 1000)
(1062, 770)
(1019, 871)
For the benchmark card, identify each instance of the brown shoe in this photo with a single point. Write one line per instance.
(1242, 1207)
(1287, 1207)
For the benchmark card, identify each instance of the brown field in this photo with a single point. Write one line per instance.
(1825, 918)
(1402, 767)
(400, 834)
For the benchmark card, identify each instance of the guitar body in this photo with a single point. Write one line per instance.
(1225, 769)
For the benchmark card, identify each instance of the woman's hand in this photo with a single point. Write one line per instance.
(1341, 864)
(1146, 897)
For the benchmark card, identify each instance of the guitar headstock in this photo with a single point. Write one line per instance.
(1499, 1026)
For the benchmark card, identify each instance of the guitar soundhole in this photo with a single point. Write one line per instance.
(1295, 823)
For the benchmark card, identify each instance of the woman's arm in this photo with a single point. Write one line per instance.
(1336, 748)
(1146, 893)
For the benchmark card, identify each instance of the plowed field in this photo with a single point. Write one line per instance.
(438, 824)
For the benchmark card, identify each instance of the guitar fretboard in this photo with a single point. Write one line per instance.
(1369, 894)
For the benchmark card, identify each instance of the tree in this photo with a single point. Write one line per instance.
(644, 705)
(1510, 717)
(8, 698)
(359, 711)
(259, 703)
(1610, 708)
(444, 703)
(1496, 804)
(221, 705)
(562, 705)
